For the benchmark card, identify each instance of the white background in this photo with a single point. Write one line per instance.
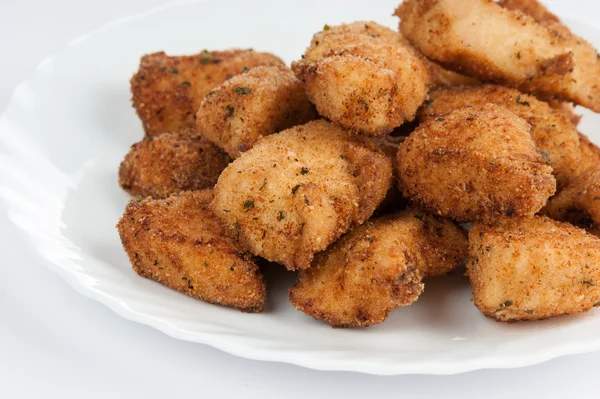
(55, 343)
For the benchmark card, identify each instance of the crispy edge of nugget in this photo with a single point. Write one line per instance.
(169, 163)
(262, 101)
(527, 269)
(178, 242)
(167, 90)
(533, 8)
(590, 152)
(297, 191)
(351, 71)
(474, 163)
(554, 135)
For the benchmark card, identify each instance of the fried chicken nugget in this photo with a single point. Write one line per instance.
(167, 90)
(159, 166)
(362, 77)
(483, 40)
(475, 163)
(533, 268)
(378, 267)
(179, 243)
(251, 105)
(296, 192)
(552, 132)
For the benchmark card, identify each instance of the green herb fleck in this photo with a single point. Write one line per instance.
(204, 57)
(232, 268)
(546, 157)
(229, 110)
(264, 183)
(519, 101)
(184, 278)
(588, 282)
(326, 27)
(205, 264)
(304, 170)
(242, 90)
(364, 103)
(504, 305)
(280, 216)
(139, 198)
(245, 69)
(249, 204)
(295, 188)
(440, 119)
(186, 84)
(529, 311)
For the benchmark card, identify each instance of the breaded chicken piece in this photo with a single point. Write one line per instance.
(579, 202)
(554, 135)
(178, 242)
(265, 100)
(475, 163)
(378, 267)
(159, 166)
(533, 268)
(590, 153)
(483, 40)
(296, 192)
(167, 90)
(362, 77)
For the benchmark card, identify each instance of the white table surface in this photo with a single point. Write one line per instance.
(55, 343)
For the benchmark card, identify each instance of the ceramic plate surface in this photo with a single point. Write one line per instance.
(69, 126)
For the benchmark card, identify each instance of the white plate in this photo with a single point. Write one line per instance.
(68, 127)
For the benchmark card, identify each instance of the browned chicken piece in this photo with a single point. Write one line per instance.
(178, 242)
(159, 166)
(491, 43)
(262, 101)
(362, 77)
(378, 267)
(554, 135)
(475, 163)
(533, 268)
(296, 192)
(167, 90)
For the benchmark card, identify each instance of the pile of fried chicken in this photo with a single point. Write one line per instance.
(364, 165)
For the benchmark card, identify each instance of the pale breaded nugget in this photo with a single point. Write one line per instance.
(475, 163)
(483, 40)
(159, 166)
(178, 242)
(167, 90)
(579, 202)
(378, 267)
(297, 191)
(533, 268)
(362, 77)
(554, 135)
(251, 105)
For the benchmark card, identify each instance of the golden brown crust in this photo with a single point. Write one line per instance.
(362, 77)
(553, 133)
(377, 267)
(159, 166)
(475, 163)
(533, 8)
(167, 90)
(533, 268)
(483, 40)
(297, 191)
(178, 242)
(251, 105)
(567, 109)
